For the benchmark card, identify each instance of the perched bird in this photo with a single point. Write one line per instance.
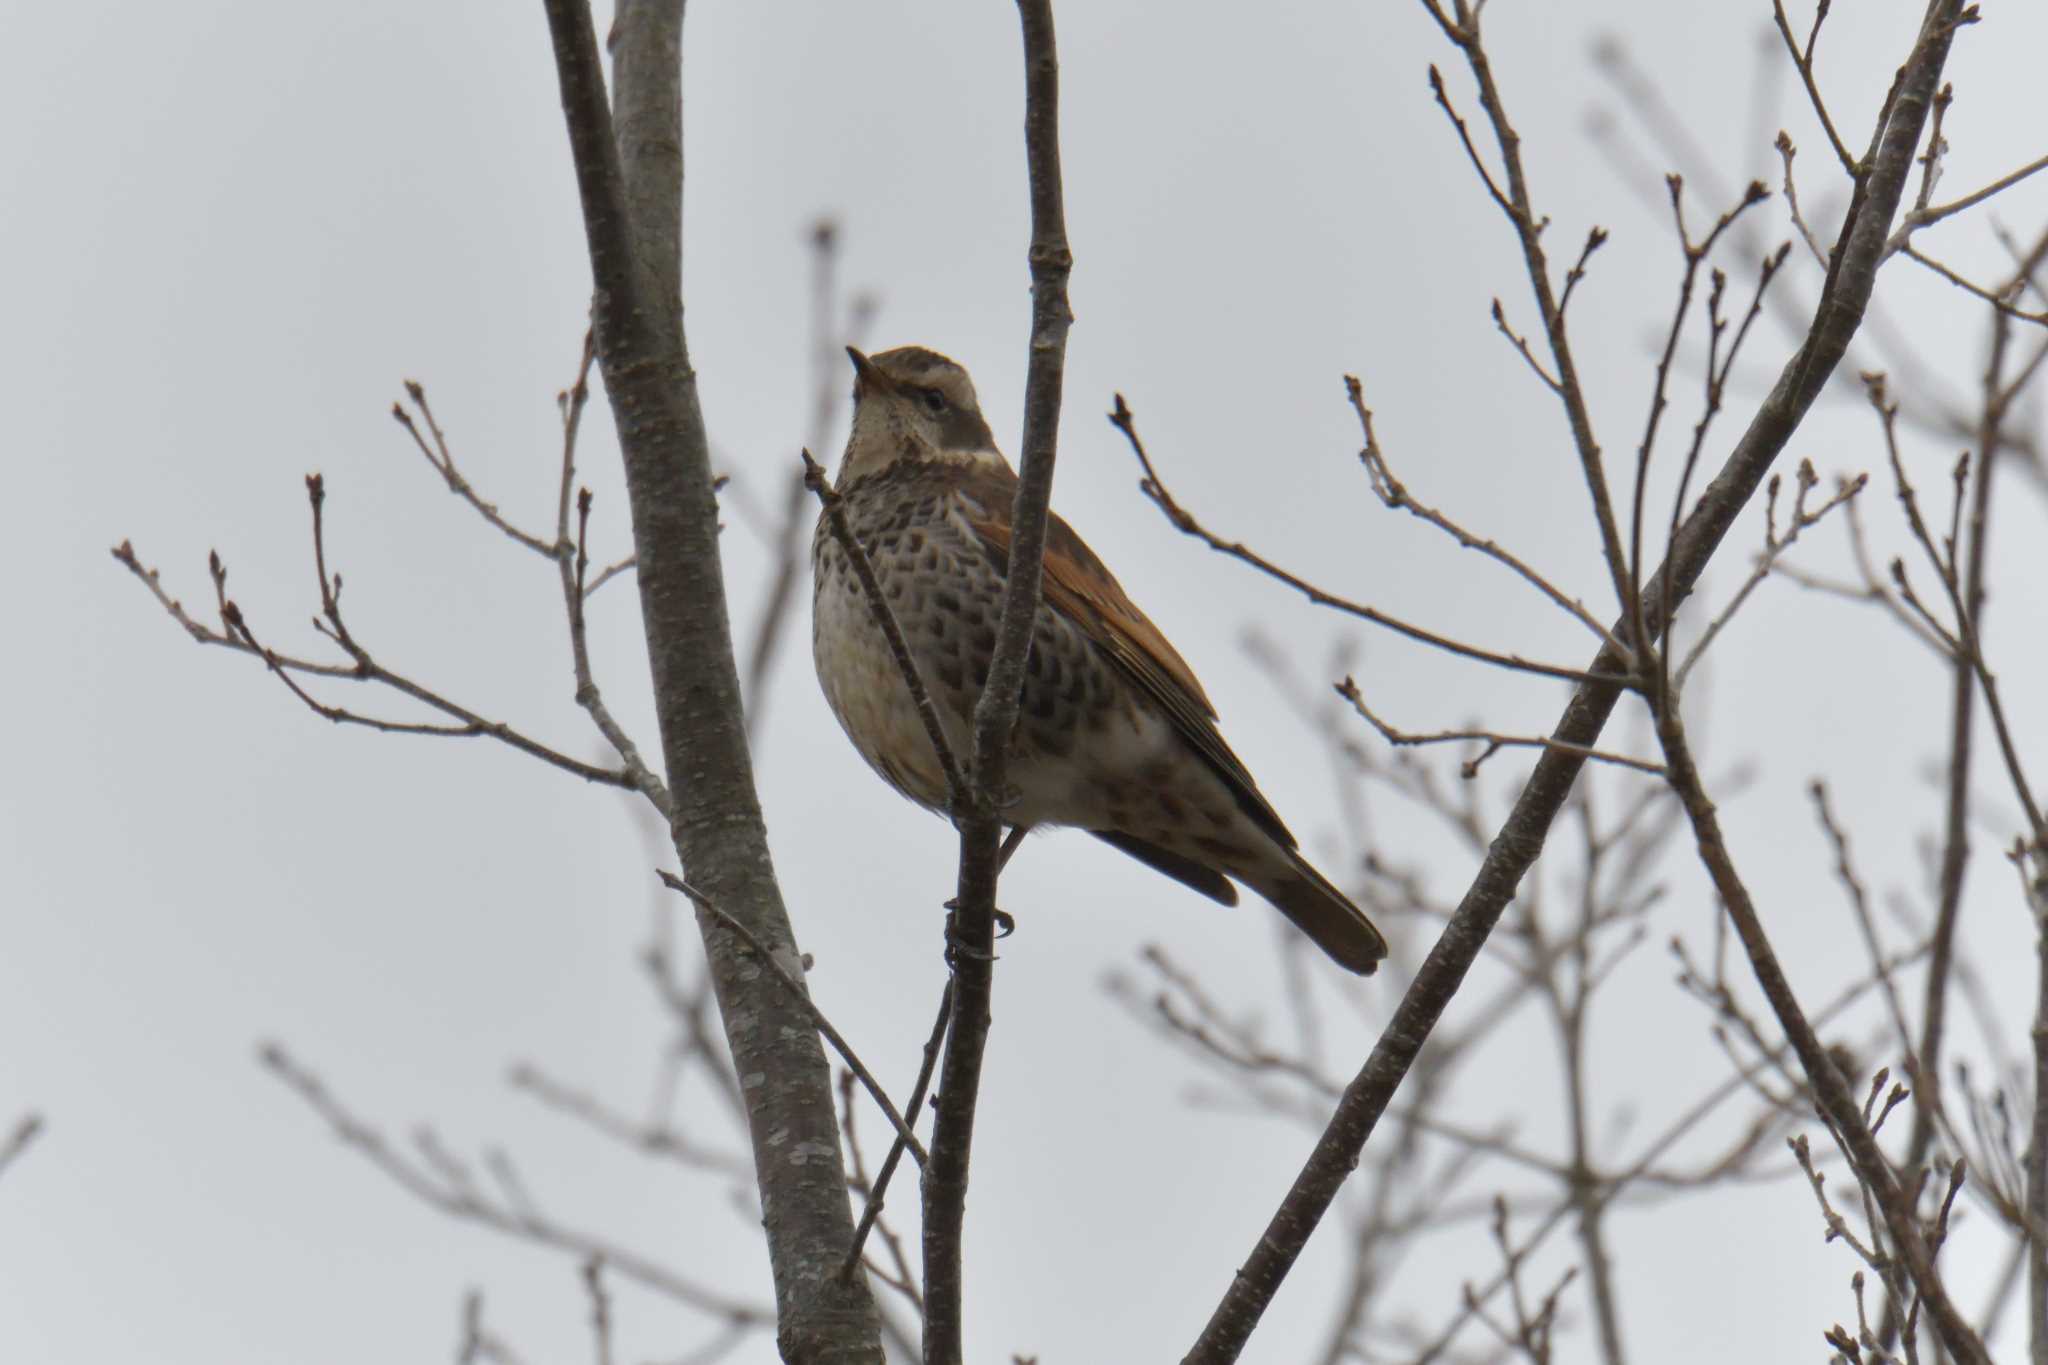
(1113, 734)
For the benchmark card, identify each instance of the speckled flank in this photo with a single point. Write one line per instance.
(1089, 749)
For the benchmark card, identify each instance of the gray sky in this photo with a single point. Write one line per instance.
(234, 228)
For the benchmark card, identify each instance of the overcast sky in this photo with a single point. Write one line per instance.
(233, 230)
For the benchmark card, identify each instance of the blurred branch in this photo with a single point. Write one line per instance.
(1829, 1087)
(26, 1129)
(479, 1345)
(1962, 639)
(1955, 831)
(600, 1309)
(655, 1140)
(827, 334)
(443, 1182)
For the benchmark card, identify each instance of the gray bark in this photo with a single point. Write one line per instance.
(629, 174)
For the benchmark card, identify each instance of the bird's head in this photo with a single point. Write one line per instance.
(913, 404)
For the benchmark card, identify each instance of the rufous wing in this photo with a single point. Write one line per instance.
(1081, 588)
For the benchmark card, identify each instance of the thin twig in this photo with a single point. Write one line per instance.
(872, 1211)
(572, 564)
(796, 989)
(1803, 61)
(1494, 741)
(238, 634)
(1844, 297)
(892, 629)
(1517, 205)
(1155, 488)
(904, 1279)
(1829, 1087)
(1991, 297)
(1395, 495)
(1767, 560)
(443, 460)
(1926, 217)
(1790, 189)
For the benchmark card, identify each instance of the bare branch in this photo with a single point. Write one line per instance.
(1154, 488)
(872, 1212)
(799, 993)
(1775, 546)
(443, 460)
(629, 178)
(1348, 689)
(1996, 300)
(971, 927)
(1395, 495)
(1829, 1086)
(1927, 217)
(1786, 151)
(1845, 295)
(1803, 61)
(1516, 203)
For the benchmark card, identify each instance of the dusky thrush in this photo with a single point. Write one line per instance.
(1114, 735)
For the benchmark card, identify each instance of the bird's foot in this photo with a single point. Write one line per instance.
(957, 947)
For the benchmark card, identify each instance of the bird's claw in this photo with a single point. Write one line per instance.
(957, 947)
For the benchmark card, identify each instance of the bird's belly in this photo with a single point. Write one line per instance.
(865, 687)
(1089, 748)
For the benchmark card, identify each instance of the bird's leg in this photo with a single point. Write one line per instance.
(1006, 923)
(1010, 845)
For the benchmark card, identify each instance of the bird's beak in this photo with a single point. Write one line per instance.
(868, 377)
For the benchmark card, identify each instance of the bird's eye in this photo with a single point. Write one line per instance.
(933, 399)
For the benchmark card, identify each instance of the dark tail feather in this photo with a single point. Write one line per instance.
(1322, 912)
(1184, 870)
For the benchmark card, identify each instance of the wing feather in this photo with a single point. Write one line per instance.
(1080, 587)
